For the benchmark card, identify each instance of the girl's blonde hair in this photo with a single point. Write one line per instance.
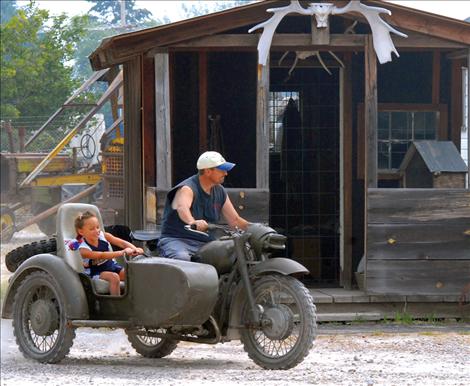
(81, 218)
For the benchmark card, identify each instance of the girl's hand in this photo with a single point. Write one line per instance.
(128, 251)
(139, 251)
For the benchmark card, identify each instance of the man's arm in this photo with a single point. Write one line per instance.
(182, 204)
(232, 217)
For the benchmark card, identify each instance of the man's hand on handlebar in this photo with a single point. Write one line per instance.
(200, 225)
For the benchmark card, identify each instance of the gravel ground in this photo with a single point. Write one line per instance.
(355, 354)
(374, 354)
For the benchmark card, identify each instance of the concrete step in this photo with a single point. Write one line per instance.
(349, 316)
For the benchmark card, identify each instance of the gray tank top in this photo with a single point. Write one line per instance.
(204, 207)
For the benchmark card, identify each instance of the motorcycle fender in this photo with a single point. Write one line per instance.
(68, 281)
(278, 265)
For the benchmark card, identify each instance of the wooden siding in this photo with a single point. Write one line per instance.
(418, 241)
(251, 204)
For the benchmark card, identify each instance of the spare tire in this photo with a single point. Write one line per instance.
(16, 257)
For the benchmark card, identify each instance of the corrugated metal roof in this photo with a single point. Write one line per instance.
(439, 156)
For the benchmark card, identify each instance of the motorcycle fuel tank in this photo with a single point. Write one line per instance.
(169, 292)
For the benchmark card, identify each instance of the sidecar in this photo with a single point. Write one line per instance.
(50, 295)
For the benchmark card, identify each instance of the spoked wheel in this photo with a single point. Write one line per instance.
(39, 320)
(151, 346)
(288, 323)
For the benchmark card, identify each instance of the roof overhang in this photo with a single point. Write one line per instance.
(120, 48)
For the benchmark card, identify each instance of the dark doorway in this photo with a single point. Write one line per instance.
(304, 168)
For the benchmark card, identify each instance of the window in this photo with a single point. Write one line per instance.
(397, 129)
(277, 104)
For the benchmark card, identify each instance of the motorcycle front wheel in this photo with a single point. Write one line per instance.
(288, 323)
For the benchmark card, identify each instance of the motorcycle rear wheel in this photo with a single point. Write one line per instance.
(288, 337)
(150, 346)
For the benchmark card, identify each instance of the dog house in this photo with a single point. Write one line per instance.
(433, 164)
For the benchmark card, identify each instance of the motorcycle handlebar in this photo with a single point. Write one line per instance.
(210, 227)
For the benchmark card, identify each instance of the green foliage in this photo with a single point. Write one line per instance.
(7, 10)
(403, 318)
(35, 68)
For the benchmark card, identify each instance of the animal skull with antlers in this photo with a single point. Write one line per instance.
(383, 44)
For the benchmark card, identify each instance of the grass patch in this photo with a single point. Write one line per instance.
(403, 318)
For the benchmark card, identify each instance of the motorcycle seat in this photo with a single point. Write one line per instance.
(102, 286)
(66, 232)
(146, 235)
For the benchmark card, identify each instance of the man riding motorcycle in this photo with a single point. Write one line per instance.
(197, 201)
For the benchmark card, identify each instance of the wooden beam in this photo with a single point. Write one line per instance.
(371, 114)
(304, 41)
(436, 77)
(456, 101)
(162, 119)
(280, 41)
(262, 128)
(425, 23)
(320, 36)
(133, 163)
(460, 54)
(202, 101)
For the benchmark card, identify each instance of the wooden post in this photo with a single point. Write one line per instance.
(370, 125)
(148, 120)
(162, 110)
(262, 127)
(11, 142)
(436, 77)
(21, 137)
(468, 118)
(203, 102)
(133, 163)
(371, 113)
(346, 171)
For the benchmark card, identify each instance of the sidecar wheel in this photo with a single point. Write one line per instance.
(150, 346)
(289, 323)
(39, 320)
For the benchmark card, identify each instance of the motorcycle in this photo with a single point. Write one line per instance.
(232, 290)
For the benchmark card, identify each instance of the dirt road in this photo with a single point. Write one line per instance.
(357, 354)
(343, 355)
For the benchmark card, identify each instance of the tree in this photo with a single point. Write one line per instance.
(34, 71)
(203, 8)
(109, 12)
(7, 10)
(104, 20)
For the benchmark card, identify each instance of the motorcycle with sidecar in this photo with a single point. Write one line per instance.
(233, 290)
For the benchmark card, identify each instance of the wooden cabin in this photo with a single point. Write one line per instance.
(433, 164)
(317, 148)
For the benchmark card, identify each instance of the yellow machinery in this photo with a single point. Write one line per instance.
(38, 180)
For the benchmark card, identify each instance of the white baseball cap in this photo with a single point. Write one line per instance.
(212, 159)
